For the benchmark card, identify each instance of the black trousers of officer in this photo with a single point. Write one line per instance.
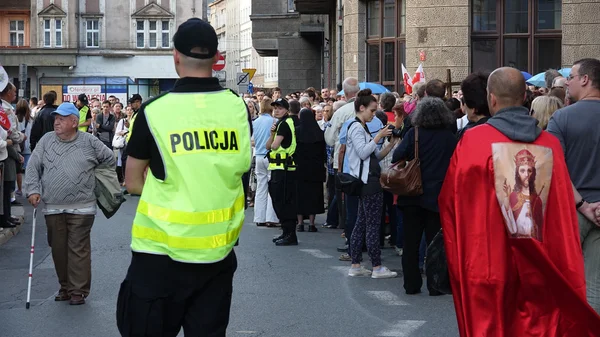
(160, 296)
(282, 188)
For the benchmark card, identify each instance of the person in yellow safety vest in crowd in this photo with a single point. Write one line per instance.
(136, 102)
(282, 186)
(195, 140)
(85, 115)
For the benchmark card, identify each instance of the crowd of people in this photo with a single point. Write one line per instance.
(508, 174)
(362, 134)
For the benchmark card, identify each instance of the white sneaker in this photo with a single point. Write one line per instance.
(383, 272)
(362, 271)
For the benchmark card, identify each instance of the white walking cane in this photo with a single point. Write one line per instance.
(31, 259)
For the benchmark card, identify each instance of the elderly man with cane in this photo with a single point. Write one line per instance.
(60, 172)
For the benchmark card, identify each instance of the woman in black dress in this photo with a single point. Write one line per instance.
(310, 159)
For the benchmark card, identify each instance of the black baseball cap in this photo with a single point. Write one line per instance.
(281, 102)
(196, 33)
(135, 97)
(83, 99)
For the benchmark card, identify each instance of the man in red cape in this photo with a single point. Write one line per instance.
(505, 285)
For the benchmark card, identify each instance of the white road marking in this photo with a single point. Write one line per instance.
(317, 253)
(402, 329)
(387, 297)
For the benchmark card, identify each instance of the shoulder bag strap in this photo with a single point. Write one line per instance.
(361, 161)
(417, 142)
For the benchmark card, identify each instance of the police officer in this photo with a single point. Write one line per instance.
(85, 115)
(282, 186)
(195, 140)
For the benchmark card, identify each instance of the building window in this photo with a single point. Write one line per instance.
(58, 33)
(92, 33)
(386, 42)
(166, 35)
(525, 34)
(47, 34)
(17, 33)
(140, 34)
(52, 33)
(152, 34)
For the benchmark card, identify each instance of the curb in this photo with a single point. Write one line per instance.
(7, 233)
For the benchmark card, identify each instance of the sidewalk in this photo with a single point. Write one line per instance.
(7, 233)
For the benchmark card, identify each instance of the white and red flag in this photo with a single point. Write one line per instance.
(408, 83)
(419, 75)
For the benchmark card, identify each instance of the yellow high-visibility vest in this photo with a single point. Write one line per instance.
(82, 114)
(130, 128)
(196, 213)
(282, 159)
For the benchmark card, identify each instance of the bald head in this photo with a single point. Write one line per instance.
(506, 88)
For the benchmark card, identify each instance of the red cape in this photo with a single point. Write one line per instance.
(505, 286)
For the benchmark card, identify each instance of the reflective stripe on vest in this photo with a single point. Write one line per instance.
(196, 213)
(130, 128)
(82, 114)
(282, 159)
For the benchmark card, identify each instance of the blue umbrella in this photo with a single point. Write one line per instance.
(537, 80)
(565, 72)
(526, 75)
(375, 88)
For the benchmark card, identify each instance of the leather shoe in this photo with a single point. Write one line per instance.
(300, 228)
(62, 296)
(288, 240)
(330, 226)
(14, 219)
(261, 224)
(277, 238)
(9, 224)
(312, 229)
(77, 299)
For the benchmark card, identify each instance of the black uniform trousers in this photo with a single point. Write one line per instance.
(282, 188)
(159, 296)
(417, 221)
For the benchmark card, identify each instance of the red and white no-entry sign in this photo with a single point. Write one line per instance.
(220, 65)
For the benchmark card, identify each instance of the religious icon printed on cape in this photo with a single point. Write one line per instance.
(522, 173)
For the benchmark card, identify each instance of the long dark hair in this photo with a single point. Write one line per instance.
(23, 110)
(519, 186)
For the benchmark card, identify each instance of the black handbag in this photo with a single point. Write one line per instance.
(349, 184)
(437, 265)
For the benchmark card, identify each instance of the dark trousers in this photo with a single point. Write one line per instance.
(416, 221)
(332, 209)
(6, 191)
(399, 228)
(282, 188)
(367, 223)
(390, 210)
(351, 215)
(69, 238)
(159, 296)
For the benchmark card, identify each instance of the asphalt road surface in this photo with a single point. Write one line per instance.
(298, 291)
